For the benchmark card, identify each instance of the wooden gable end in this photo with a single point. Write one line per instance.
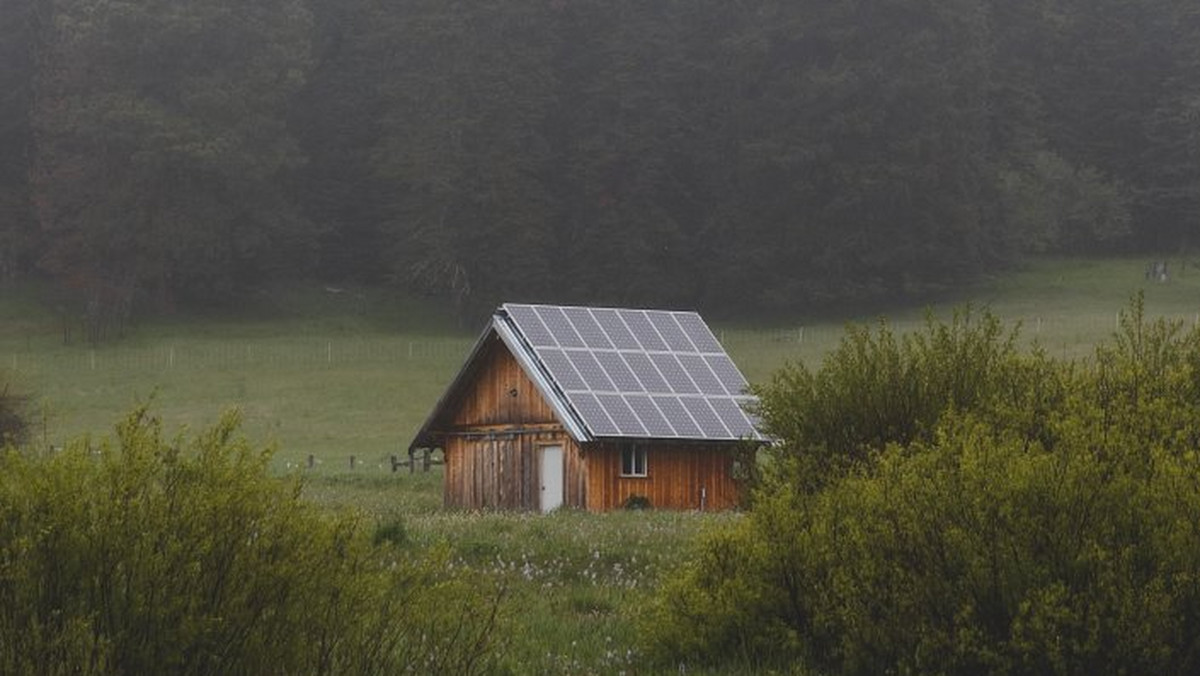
(493, 432)
(498, 394)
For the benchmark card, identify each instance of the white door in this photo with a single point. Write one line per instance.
(552, 477)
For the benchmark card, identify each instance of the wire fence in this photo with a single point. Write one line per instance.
(1074, 334)
(237, 354)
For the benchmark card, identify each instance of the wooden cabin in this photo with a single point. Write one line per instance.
(592, 408)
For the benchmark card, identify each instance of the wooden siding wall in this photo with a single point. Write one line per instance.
(493, 441)
(493, 435)
(675, 475)
(500, 394)
(503, 471)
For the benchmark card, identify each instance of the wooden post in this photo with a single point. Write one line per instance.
(311, 460)
(412, 466)
(352, 462)
(425, 461)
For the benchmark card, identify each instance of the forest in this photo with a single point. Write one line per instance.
(761, 155)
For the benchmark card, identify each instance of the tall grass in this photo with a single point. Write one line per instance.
(355, 373)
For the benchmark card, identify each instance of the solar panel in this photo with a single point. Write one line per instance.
(656, 424)
(668, 328)
(591, 410)
(616, 330)
(646, 372)
(641, 328)
(620, 413)
(728, 374)
(705, 417)
(697, 331)
(533, 328)
(558, 325)
(593, 336)
(701, 374)
(637, 373)
(619, 372)
(676, 376)
(733, 416)
(560, 367)
(678, 416)
(593, 374)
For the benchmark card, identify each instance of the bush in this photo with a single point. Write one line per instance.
(636, 502)
(988, 538)
(169, 555)
(876, 389)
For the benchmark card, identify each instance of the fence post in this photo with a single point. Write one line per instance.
(311, 460)
(352, 462)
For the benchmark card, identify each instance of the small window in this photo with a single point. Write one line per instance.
(633, 460)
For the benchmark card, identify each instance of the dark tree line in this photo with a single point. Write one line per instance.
(761, 154)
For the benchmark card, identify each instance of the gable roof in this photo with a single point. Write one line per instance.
(613, 373)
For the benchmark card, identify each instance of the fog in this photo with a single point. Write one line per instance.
(750, 157)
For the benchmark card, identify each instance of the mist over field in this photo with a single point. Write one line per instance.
(245, 247)
(746, 158)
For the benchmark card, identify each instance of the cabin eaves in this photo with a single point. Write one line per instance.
(686, 386)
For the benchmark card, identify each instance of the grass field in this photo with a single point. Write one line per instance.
(356, 373)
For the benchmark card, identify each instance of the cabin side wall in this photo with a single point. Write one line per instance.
(503, 471)
(678, 476)
(493, 441)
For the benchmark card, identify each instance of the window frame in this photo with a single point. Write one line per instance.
(634, 458)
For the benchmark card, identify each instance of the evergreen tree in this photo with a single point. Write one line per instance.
(336, 119)
(462, 143)
(161, 146)
(18, 46)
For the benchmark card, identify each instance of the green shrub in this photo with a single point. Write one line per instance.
(1048, 523)
(876, 389)
(636, 502)
(150, 554)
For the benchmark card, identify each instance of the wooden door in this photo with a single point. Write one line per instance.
(552, 477)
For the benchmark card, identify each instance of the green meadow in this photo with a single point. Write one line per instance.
(353, 374)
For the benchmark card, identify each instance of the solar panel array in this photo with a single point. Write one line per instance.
(639, 373)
